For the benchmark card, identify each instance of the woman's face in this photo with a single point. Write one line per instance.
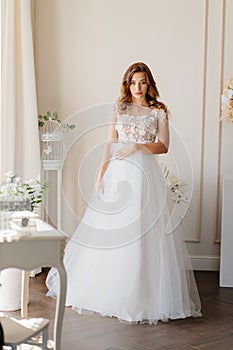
(138, 87)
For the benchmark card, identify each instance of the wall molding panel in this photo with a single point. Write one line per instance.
(205, 262)
(211, 133)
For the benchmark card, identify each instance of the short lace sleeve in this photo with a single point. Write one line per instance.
(163, 127)
(120, 107)
(162, 115)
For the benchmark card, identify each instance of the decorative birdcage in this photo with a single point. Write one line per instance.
(52, 139)
(53, 150)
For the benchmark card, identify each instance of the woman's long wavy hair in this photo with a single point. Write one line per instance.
(152, 94)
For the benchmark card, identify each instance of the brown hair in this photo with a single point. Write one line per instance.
(152, 94)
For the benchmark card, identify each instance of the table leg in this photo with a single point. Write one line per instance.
(25, 294)
(60, 306)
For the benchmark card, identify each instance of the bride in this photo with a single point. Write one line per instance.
(123, 260)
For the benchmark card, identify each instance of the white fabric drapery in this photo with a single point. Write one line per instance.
(20, 150)
(19, 134)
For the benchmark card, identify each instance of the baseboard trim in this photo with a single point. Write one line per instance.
(205, 262)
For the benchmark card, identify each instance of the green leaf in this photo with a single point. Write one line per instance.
(49, 114)
(55, 115)
(40, 124)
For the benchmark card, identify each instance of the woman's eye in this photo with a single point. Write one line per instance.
(132, 83)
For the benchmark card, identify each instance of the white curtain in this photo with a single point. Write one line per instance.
(19, 142)
(19, 134)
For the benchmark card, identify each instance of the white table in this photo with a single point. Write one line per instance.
(42, 248)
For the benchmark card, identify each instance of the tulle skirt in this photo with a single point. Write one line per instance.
(124, 259)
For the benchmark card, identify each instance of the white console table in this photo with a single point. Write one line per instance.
(43, 247)
(226, 261)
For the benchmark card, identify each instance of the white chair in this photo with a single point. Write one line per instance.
(22, 331)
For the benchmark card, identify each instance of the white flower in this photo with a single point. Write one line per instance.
(30, 182)
(230, 94)
(9, 174)
(225, 100)
(17, 180)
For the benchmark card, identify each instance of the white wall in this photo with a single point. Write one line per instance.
(82, 49)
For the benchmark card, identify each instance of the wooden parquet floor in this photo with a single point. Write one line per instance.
(214, 331)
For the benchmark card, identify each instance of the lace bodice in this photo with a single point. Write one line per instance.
(138, 124)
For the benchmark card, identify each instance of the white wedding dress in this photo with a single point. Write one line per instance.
(124, 260)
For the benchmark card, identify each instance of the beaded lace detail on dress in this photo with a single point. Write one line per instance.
(138, 124)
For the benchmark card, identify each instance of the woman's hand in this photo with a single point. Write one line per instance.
(126, 150)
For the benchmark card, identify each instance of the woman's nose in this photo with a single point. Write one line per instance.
(138, 87)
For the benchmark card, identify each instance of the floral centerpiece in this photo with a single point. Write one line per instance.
(227, 102)
(29, 193)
